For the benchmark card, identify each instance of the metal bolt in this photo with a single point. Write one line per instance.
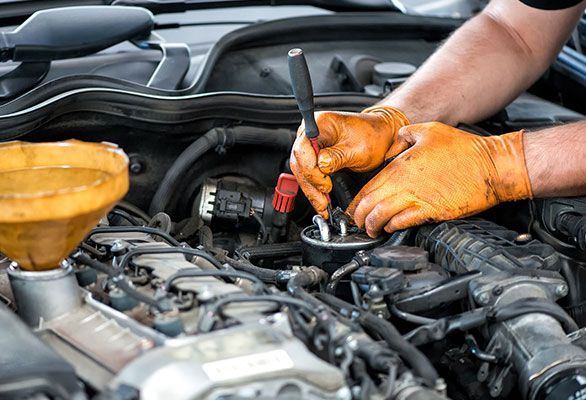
(266, 71)
(136, 168)
(205, 295)
(483, 298)
(117, 245)
(352, 343)
(136, 165)
(441, 386)
(497, 290)
(345, 393)
(561, 290)
(523, 238)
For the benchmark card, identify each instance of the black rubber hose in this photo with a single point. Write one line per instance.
(575, 227)
(264, 274)
(120, 281)
(387, 331)
(304, 279)
(411, 354)
(531, 306)
(244, 135)
(205, 323)
(128, 229)
(340, 273)
(168, 250)
(195, 273)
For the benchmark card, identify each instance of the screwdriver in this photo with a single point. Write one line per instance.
(303, 91)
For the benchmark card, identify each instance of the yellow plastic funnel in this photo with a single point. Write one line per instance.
(52, 194)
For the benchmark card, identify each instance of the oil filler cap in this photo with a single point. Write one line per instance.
(285, 193)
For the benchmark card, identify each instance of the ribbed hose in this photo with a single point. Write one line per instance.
(242, 135)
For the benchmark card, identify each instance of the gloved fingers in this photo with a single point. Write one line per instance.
(406, 137)
(407, 218)
(330, 131)
(334, 154)
(382, 213)
(316, 198)
(335, 158)
(371, 194)
(304, 163)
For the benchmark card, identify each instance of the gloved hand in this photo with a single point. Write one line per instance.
(358, 141)
(442, 173)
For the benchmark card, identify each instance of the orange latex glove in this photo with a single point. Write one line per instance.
(358, 141)
(442, 173)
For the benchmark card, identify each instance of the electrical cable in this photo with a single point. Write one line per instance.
(193, 273)
(264, 274)
(413, 318)
(124, 215)
(263, 227)
(439, 329)
(92, 250)
(387, 331)
(120, 281)
(170, 250)
(132, 209)
(129, 229)
(205, 323)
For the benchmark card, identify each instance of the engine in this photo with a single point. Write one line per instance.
(203, 274)
(238, 301)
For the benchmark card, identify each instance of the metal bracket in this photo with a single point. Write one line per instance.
(173, 65)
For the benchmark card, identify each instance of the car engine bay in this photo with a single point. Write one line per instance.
(213, 278)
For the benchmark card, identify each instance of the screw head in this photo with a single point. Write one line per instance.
(561, 290)
(497, 290)
(136, 168)
(483, 298)
(135, 164)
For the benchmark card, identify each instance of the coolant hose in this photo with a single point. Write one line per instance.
(243, 135)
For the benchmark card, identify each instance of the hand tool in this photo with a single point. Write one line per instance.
(303, 91)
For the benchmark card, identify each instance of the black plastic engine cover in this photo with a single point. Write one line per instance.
(28, 366)
(478, 245)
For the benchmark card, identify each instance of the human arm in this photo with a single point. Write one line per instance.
(486, 63)
(481, 67)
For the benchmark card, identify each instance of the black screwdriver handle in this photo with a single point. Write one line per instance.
(303, 90)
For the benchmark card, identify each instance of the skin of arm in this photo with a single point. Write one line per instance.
(483, 66)
(480, 69)
(486, 63)
(556, 160)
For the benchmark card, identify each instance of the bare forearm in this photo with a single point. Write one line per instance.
(556, 160)
(485, 64)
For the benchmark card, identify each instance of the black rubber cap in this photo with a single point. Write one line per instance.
(405, 258)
